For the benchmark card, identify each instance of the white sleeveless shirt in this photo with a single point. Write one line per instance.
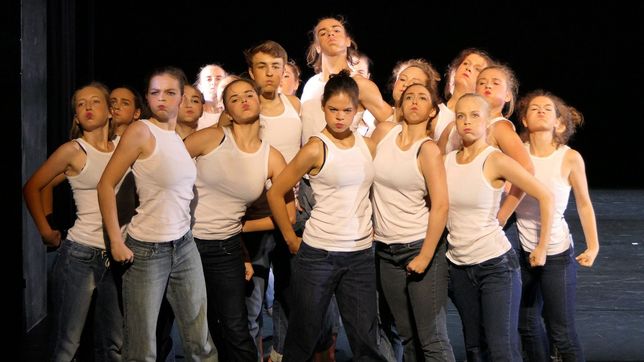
(548, 171)
(474, 231)
(88, 226)
(164, 182)
(228, 181)
(400, 212)
(341, 217)
(284, 132)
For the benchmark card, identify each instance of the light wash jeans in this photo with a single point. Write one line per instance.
(80, 271)
(173, 268)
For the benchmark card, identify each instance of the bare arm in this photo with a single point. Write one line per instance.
(499, 167)
(203, 141)
(59, 162)
(508, 141)
(444, 137)
(382, 129)
(371, 99)
(276, 165)
(433, 169)
(136, 140)
(309, 158)
(585, 209)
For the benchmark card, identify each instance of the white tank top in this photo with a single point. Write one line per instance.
(88, 226)
(445, 117)
(284, 132)
(400, 212)
(164, 182)
(548, 171)
(474, 231)
(228, 180)
(341, 217)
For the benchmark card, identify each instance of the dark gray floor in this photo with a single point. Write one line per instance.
(610, 296)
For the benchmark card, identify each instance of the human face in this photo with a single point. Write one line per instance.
(91, 108)
(472, 114)
(409, 76)
(208, 80)
(361, 67)
(541, 115)
(416, 104)
(339, 111)
(331, 37)
(289, 82)
(164, 97)
(191, 106)
(467, 72)
(267, 72)
(242, 102)
(493, 85)
(123, 107)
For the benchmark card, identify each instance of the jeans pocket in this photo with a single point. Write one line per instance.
(81, 254)
(494, 262)
(139, 251)
(309, 253)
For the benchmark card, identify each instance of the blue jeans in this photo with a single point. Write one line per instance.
(259, 246)
(318, 274)
(487, 296)
(79, 272)
(418, 302)
(173, 268)
(549, 291)
(223, 268)
(283, 265)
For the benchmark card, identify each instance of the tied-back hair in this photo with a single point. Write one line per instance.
(313, 59)
(197, 82)
(451, 68)
(434, 97)
(341, 83)
(76, 130)
(433, 77)
(173, 72)
(269, 47)
(296, 70)
(513, 86)
(570, 117)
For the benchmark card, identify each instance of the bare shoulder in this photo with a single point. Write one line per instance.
(429, 148)
(294, 101)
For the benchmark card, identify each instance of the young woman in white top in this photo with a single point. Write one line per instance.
(410, 178)
(159, 250)
(549, 290)
(83, 266)
(460, 78)
(483, 268)
(335, 254)
(233, 166)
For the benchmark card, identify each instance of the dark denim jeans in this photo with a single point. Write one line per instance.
(79, 272)
(173, 268)
(549, 291)
(283, 265)
(418, 302)
(223, 268)
(318, 274)
(487, 296)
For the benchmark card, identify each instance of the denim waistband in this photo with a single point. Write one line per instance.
(186, 238)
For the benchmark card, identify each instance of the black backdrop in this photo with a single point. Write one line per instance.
(585, 54)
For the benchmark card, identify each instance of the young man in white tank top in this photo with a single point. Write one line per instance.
(281, 127)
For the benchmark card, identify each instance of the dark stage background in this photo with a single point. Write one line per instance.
(585, 54)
